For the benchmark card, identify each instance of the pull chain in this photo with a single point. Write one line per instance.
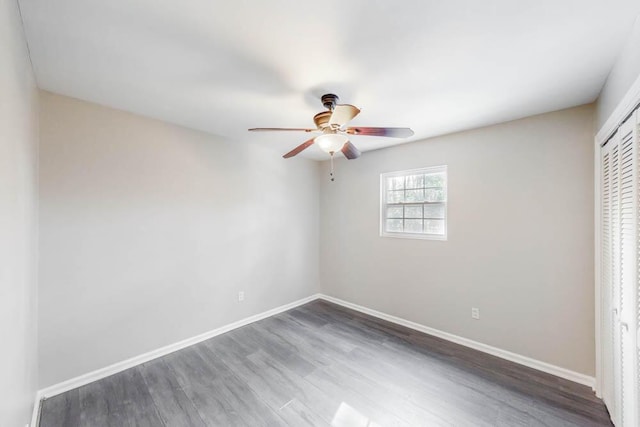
(331, 173)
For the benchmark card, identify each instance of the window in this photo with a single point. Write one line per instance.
(413, 203)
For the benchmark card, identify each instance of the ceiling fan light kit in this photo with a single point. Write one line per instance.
(331, 142)
(331, 124)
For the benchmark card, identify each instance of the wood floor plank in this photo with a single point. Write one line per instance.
(237, 393)
(279, 349)
(308, 349)
(174, 407)
(295, 386)
(365, 384)
(395, 400)
(328, 342)
(102, 403)
(297, 414)
(139, 408)
(203, 387)
(61, 410)
(272, 381)
(357, 403)
(258, 380)
(322, 364)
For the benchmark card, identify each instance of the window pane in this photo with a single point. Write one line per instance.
(434, 195)
(413, 211)
(394, 225)
(395, 196)
(434, 211)
(414, 195)
(434, 180)
(415, 181)
(414, 203)
(434, 226)
(395, 183)
(413, 226)
(394, 212)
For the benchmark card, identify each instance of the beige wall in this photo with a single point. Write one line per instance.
(624, 73)
(149, 230)
(18, 225)
(520, 238)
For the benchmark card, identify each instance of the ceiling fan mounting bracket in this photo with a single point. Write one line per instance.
(329, 101)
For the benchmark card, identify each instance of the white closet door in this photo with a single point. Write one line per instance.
(620, 213)
(625, 289)
(636, 297)
(614, 285)
(606, 281)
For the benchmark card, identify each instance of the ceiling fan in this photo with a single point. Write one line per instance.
(331, 124)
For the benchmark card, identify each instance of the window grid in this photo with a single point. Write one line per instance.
(414, 203)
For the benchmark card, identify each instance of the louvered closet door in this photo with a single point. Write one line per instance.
(636, 292)
(610, 190)
(606, 279)
(624, 292)
(620, 272)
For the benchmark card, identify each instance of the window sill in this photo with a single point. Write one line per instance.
(414, 236)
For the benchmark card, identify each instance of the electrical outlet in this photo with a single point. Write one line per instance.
(241, 296)
(475, 313)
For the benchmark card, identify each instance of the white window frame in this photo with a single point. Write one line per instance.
(384, 204)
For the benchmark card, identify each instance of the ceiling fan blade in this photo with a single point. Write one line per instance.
(390, 132)
(299, 148)
(342, 113)
(281, 129)
(350, 151)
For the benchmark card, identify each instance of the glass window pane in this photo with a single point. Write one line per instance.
(434, 195)
(415, 204)
(434, 226)
(394, 212)
(395, 196)
(413, 211)
(414, 195)
(415, 181)
(394, 225)
(434, 211)
(395, 183)
(434, 180)
(413, 226)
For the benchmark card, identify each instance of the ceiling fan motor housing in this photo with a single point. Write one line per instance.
(329, 101)
(322, 119)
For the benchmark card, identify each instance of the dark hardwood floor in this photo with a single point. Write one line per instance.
(320, 365)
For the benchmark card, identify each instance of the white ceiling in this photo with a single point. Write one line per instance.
(437, 66)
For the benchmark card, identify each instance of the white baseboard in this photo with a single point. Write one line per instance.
(507, 355)
(35, 414)
(163, 351)
(137, 360)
